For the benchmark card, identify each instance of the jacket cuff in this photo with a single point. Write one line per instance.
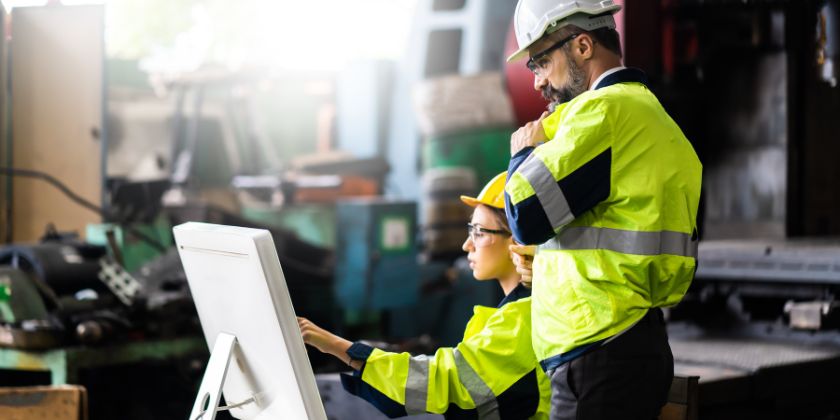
(359, 351)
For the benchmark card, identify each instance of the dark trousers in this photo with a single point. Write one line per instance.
(627, 378)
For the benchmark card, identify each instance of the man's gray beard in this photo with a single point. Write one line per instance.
(576, 86)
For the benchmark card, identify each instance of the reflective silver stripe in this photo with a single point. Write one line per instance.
(624, 241)
(417, 385)
(485, 402)
(551, 197)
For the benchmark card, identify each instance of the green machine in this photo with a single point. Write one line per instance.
(135, 252)
(376, 254)
(19, 298)
(484, 151)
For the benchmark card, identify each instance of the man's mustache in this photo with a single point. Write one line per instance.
(550, 94)
(555, 96)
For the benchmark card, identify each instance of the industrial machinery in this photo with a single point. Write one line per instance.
(376, 254)
(749, 82)
(55, 295)
(753, 85)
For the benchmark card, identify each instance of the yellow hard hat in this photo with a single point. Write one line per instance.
(492, 195)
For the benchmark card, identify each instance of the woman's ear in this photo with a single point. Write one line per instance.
(509, 241)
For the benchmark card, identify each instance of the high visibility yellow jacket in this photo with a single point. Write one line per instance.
(611, 200)
(491, 374)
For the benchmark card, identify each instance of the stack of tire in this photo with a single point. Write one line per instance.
(466, 123)
(444, 217)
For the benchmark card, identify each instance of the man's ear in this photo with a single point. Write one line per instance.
(584, 46)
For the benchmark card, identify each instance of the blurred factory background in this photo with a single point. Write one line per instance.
(349, 129)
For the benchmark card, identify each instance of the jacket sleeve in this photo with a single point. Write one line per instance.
(475, 376)
(549, 186)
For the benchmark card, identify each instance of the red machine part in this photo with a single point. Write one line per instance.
(528, 104)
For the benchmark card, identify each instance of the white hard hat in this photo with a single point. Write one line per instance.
(535, 18)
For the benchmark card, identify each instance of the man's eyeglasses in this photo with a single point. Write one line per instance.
(539, 60)
(482, 236)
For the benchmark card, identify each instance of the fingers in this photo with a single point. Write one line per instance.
(524, 271)
(516, 142)
(538, 120)
(311, 334)
(307, 329)
(523, 249)
(304, 325)
(525, 261)
(530, 124)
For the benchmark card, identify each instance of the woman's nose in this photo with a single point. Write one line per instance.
(467, 244)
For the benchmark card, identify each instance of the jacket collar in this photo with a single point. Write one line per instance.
(627, 75)
(520, 292)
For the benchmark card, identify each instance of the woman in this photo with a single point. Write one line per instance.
(492, 373)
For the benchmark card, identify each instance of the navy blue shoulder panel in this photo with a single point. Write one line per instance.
(589, 184)
(527, 220)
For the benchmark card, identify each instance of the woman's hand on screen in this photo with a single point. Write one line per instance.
(314, 335)
(327, 342)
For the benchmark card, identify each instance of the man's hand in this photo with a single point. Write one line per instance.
(523, 259)
(528, 135)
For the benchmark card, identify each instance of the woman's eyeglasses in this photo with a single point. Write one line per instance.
(482, 236)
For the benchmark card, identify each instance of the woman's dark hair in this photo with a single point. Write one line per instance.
(499, 215)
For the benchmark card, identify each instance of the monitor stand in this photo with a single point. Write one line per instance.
(210, 392)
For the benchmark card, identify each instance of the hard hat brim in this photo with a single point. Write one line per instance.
(470, 201)
(492, 195)
(474, 202)
(519, 54)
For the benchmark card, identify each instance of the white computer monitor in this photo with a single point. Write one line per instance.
(258, 356)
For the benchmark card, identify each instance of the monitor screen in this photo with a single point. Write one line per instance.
(238, 287)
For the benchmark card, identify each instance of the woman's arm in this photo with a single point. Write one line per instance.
(492, 369)
(327, 342)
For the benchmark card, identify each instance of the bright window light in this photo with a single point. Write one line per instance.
(10, 4)
(325, 34)
(318, 35)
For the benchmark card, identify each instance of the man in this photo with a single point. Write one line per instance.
(608, 187)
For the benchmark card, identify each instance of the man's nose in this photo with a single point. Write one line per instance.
(539, 82)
